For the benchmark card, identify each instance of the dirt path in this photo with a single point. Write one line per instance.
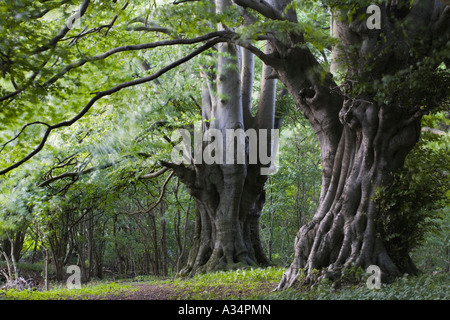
(172, 292)
(147, 292)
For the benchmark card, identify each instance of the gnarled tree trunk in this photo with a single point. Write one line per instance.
(227, 222)
(345, 231)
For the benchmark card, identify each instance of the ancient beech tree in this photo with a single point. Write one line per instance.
(366, 117)
(229, 195)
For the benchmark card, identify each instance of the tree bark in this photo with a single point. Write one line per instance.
(226, 237)
(228, 207)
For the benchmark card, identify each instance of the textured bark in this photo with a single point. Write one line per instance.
(344, 231)
(227, 221)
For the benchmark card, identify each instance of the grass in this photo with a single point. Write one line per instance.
(87, 292)
(250, 284)
(247, 284)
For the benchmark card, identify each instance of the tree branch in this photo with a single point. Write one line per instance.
(136, 47)
(247, 75)
(52, 43)
(108, 92)
(267, 59)
(29, 81)
(183, 1)
(74, 174)
(262, 7)
(87, 171)
(150, 29)
(21, 131)
(97, 29)
(266, 107)
(154, 174)
(161, 196)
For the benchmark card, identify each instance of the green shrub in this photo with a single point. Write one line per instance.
(413, 206)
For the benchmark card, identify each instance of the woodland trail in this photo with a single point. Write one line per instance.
(173, 292)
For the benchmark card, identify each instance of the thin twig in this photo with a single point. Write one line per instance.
(74, 174)
(21, 131)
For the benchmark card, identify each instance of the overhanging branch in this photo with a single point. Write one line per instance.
(97, 168)
(136, 47)
(108, 92)
(154, 174)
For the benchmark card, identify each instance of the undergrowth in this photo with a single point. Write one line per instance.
(422, 287)
(91, 291)
(237, 284)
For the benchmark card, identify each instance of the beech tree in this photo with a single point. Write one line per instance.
(366, 127)
(389, 69)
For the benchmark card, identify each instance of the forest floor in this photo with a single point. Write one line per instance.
(238, 284)
(250, 284)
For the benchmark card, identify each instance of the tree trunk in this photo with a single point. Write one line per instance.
(229, 193)
(46, 269)
(226, 232)
(345, 231)
(164, 253)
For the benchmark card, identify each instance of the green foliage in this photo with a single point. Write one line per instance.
(239, 284)
(413, 205)
(421, 86)
(193, 18)
(292, 193)
(434, 254)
